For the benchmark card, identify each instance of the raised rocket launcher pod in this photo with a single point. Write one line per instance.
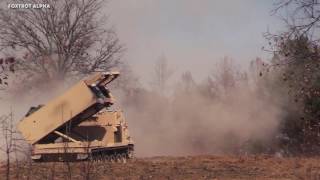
(79, 125)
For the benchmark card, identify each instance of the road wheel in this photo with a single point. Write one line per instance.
(118, 157)
(124, 158)
(107, 158)
(130, 154)
(112, 158)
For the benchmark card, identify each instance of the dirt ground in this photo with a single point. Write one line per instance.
(191, 167)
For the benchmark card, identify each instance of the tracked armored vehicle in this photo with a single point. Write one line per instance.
(79, 125)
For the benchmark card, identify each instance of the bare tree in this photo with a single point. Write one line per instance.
(66, 156)
(10, 140)
(87, 167)
(68, 39)
(6, 67)
(162, 74)
(226, 75)
(296, 50)
(188, 82)
(302, 20)
(300, 15)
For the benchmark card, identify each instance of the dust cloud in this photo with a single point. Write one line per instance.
(18, 98)
(203, 118)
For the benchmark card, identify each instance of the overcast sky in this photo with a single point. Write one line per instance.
(192, 34)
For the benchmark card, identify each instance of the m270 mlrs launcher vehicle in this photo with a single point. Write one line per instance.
(79, 125)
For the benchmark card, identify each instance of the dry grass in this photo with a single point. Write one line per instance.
(188, 167)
